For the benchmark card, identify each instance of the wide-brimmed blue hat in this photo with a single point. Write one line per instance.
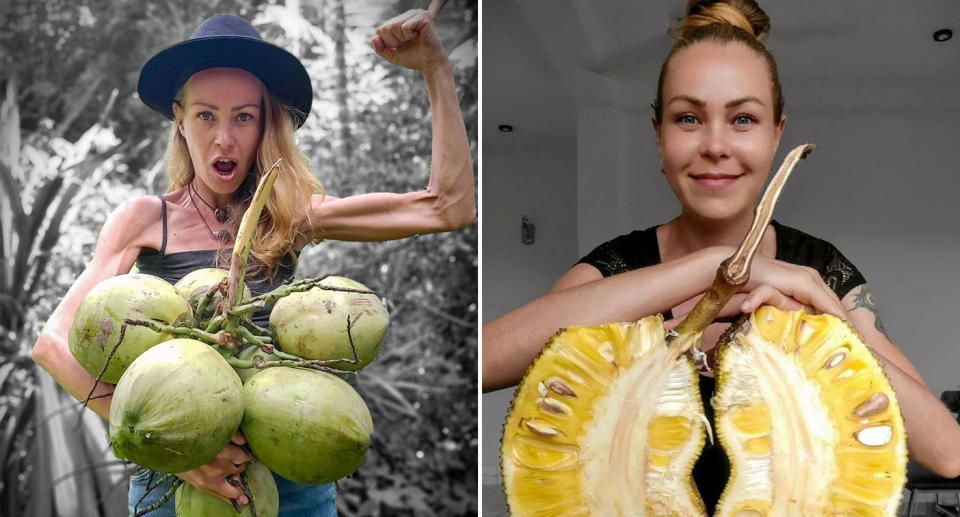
(225, 41)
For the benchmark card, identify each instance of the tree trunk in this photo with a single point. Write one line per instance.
(340, 38)
(294, 7)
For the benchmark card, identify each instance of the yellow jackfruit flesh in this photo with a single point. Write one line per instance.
(608, 421)
(808, 419)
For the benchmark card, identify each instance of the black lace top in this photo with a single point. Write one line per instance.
(639, 249)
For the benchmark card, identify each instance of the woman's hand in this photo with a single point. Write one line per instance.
(212, 477)
(410, 40)
(789, 287)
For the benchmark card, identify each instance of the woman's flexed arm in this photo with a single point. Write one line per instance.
(447, 203)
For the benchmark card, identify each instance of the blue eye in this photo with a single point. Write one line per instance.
(205, 115)
(744, 120)
(244, 117)
(687, 119)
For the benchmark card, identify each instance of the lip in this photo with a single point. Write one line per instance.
(221, 176)
(715, 180)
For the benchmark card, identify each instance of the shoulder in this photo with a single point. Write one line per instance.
(132, 220)
(801, 248)
(139, 212)
(625, 253)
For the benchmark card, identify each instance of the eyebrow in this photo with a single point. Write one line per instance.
(699, 103)
(215, 107)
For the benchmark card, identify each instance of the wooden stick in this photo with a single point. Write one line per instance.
(435, 6)
(734, 272)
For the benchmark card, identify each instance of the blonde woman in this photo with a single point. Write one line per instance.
(235, 101)
(718, 119)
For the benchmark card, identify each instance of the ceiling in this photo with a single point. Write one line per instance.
(542, 59)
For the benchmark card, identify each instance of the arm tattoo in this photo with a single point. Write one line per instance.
(864, 300)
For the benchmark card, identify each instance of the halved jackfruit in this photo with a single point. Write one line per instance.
(608, 421)
(808, 419)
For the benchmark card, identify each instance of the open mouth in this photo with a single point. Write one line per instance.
(224, 166)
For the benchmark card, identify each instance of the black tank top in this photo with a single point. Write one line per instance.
(174, 266)
(640, 249)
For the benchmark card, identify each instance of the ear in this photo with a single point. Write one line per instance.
(778, 132)
(178, 117)
(657, 128)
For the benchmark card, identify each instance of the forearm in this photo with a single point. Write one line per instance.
(933, 436)
(510, 343)
(451, 167)
(53, 354)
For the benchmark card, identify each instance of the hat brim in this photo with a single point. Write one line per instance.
(281, 72)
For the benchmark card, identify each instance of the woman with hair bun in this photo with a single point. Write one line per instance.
(235, 101)
(718, 117)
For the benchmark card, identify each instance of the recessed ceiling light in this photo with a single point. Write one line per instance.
(505, 128)
(942, 35)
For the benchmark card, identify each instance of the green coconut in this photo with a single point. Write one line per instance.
(252, 353)
(96, 325)
(306, 425)
(197, 283)
(192, 502)
(313, 324)
(176, 407)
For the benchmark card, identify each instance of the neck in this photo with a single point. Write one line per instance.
(688, 233)
(209, 197)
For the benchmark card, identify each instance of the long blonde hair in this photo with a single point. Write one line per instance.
(287, 205)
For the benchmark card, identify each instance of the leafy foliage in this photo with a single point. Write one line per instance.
(79, 143)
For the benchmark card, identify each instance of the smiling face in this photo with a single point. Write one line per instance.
(220, 121)
(718, 135)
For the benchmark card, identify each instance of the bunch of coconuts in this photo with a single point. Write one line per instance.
(191, 367)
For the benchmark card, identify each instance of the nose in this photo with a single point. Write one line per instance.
(715, 144)
(224, 137)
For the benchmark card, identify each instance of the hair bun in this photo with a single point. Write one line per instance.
(743, 14)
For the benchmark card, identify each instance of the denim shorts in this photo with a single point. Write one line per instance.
(296, 500)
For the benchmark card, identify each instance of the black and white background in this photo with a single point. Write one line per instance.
(75, 142)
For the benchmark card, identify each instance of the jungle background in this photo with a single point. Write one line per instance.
(75, 142)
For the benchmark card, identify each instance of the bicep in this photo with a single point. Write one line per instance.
(864, 315)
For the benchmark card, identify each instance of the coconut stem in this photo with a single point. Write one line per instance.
(204, 301)
(295, 287)
(295, 360)
(103, 370)
(734, 272)
(199, 335)
(242, 485)
(215, 324)
(241, 248)
(257, 330)
(248, 336)
(163, 499)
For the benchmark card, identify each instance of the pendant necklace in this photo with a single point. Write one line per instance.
(222, 213)
(223, 236)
